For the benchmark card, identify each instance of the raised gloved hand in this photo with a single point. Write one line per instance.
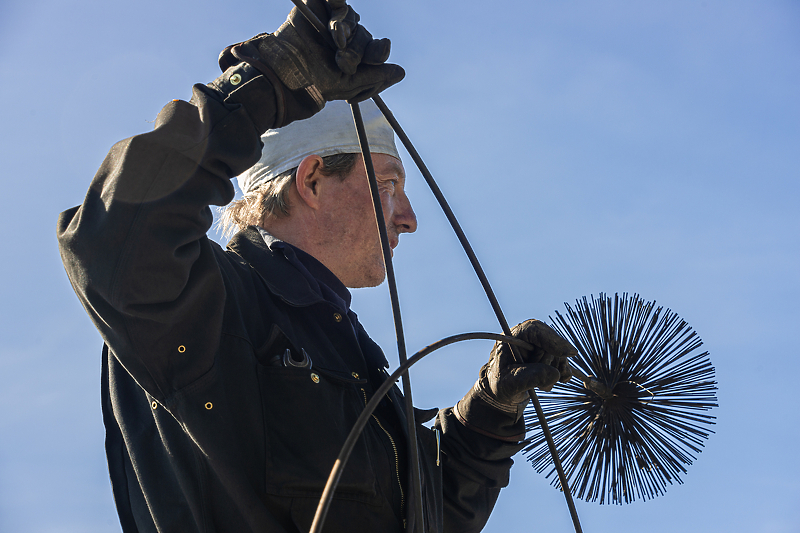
(306, 71)
(494, 406)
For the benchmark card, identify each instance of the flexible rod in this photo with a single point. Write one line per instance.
(415, 481)
(361, 422)
(473, 259)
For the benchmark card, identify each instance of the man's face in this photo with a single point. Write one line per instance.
(350, 223)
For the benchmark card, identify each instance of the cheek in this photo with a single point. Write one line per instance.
(387, 204)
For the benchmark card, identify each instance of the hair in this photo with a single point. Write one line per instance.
(271, 198)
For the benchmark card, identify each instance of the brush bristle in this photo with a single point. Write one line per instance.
(632, 445)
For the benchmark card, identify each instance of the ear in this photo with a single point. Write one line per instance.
(308, 179)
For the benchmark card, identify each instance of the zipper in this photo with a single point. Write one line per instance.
(438, 446)
(396, 462)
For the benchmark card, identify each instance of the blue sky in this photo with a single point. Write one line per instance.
(587, 147)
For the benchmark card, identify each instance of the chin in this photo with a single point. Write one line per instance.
(368, 279)
(366, 283)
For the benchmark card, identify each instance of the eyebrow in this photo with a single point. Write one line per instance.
(393, 167)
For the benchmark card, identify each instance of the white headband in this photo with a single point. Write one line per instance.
(329, 132)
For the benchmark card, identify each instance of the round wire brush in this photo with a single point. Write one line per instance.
(630, 436)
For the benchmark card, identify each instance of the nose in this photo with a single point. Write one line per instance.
(404, 218)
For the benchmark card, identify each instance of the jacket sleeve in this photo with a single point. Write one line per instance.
(136, 250)
(475, 467)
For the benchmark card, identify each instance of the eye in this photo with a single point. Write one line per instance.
(390, 184)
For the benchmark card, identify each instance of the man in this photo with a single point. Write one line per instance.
(232, 377)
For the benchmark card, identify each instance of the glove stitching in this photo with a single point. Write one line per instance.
(314, 93)
(488, 398)
(291, 68)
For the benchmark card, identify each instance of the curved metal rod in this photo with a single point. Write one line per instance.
(415, 483)
(361, 422)
(489, 294)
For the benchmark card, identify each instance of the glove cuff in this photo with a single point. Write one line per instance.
(481, 412)
(296, 96)
(244, 85)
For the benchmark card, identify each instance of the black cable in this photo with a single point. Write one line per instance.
(415, 483)
(361, 422)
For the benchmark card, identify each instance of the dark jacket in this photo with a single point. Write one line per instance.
(204, 432)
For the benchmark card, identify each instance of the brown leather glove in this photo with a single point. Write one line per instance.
(306, 71)
(495, 404)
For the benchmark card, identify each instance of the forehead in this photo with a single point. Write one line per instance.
(387, 165)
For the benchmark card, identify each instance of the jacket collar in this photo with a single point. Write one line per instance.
(286, 282)
(281, 278)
